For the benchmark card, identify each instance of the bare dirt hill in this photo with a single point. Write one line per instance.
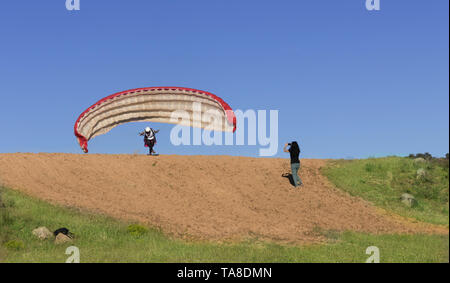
(202, 197)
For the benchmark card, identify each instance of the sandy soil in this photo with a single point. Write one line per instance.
(202, 197)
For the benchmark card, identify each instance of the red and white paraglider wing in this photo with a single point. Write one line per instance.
(154, 104)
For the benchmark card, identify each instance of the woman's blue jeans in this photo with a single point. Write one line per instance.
(295, 167)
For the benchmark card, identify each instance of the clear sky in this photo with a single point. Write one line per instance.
(347, 82)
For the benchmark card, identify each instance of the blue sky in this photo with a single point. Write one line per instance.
(347, 82)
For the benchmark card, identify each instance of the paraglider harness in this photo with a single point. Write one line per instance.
(149, 140)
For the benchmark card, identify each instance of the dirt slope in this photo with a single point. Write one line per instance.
(205, 197)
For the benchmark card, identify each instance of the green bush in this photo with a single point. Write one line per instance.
(370, 167)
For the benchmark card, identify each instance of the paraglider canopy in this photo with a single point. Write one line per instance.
(154, 104)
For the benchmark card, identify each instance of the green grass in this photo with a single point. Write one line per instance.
(383, 180)
(102, 239)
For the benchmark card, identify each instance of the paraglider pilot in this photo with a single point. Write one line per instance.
(149, 139)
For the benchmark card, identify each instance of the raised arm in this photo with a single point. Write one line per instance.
(285, 148)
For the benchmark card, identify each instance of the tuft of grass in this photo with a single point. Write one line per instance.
(14, 245)
(329, 235)
(383, 180)
(137, 230)
(103, 239)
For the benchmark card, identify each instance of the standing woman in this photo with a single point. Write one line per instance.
(294, 150)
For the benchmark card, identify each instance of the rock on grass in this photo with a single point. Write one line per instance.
(408, 199)
(42, 233)
(61, 239)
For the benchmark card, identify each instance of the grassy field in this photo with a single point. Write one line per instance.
(102, 239)
(383, 180)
